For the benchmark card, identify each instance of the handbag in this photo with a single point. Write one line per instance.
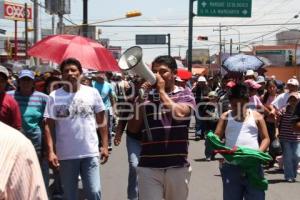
(275, 147)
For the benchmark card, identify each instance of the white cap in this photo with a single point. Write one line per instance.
(260, 79)
(212, 94)
(293, 81)
(4, 71)
(178, 79)
(250, 72)
(118, 74)
(201, 79)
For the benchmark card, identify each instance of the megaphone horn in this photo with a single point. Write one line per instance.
(131, 60)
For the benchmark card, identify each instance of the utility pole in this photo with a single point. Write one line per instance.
(224, 45)
(230, 46)
(60, 23)
(26, 30)
(35, 21)
(169, 44)
(190, 39)
(85, 18)
(179, 50)
(53, 24)
(220, 43)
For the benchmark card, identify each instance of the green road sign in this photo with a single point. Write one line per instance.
(224, 8)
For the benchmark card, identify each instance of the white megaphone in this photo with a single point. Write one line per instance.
(131, 60)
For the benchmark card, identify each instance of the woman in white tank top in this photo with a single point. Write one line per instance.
(241, 127)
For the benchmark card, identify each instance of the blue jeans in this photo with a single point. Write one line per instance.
(133, 151)
(291, 158)
(236, 185)
(199, 127)
(89, 170)
(109, 118)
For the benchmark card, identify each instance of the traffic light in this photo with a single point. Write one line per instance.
(202, 38)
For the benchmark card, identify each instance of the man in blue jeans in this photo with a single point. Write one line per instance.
(106, 91)
(76, 120)
(132, 140)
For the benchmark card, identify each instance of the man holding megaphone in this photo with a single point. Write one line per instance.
(163, 119)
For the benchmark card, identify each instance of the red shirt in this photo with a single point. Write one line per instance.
(9, 111)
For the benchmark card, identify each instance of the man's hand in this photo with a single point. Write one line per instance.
(103, 155)
(53, 160)
(117, 139)
(160, 83)
(145, 88)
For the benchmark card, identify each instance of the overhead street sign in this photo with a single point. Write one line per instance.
(224, 8)
(150, 39)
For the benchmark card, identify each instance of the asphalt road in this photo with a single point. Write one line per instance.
(206, 183)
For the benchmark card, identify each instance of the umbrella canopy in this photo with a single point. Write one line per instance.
(184, 74)
(248, 159)
(90, 53)
(242, 63)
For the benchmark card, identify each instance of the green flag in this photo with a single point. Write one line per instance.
(247, 159)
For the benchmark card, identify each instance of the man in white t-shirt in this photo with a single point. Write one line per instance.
(76, 112)
(281, 100)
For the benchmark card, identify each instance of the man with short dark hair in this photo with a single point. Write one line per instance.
(9, 109)
(76, 120)
(163, 120)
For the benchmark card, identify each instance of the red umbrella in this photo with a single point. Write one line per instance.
(90, 53)
(184, 74)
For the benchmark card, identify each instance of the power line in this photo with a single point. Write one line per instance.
(197, 26)
(279, 28)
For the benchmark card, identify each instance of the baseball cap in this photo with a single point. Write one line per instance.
(231, 84)
(178, 79)
(293, 81)
(212, 94)
(26, 73)
(260, 79)
(250, 72)
(118, 75)
(201, 79)
(4, 71)
(252, 84)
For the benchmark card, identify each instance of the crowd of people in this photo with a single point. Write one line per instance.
(74, 118)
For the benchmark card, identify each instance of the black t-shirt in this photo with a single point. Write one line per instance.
(296, 115)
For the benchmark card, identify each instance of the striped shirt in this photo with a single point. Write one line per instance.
(168, 145)
(20, 172)
(286, 131)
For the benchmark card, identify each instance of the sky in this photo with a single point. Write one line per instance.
(175, 12)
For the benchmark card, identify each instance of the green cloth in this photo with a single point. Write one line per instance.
(247, 159)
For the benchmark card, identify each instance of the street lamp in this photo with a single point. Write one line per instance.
(239, 34)
(130, 14)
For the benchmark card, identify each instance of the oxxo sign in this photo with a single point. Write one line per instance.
(15, 11)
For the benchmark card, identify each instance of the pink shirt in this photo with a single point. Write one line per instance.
(254, 101)
(20, 172)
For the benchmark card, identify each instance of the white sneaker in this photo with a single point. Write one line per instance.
(113, 134)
